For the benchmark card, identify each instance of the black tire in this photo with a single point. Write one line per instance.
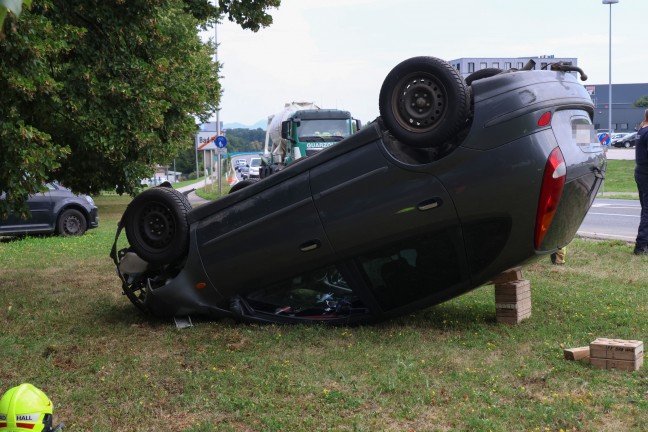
(482, 73)
(156, 225)
(240, 185)
(71, 222)
(627, 144)
(424, 101)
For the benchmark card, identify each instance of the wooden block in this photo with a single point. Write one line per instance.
(580, 353)
(625, 365)
(509, 275)
(616, 349)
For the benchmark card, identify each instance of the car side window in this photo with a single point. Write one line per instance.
(412, 269)
(320, 294)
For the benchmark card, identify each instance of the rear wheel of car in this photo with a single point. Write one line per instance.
(156, 225)
(71, 223)
(424, 101)
(240, 185)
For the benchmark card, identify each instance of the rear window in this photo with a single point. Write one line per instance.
(581, 131)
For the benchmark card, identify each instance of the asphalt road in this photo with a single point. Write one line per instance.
(621, 153)
(612, 219)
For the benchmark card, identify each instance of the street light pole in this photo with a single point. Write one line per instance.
(218, 125)
(610, 2)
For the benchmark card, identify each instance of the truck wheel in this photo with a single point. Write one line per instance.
(240, 185)
(156, 225)
(424, 101)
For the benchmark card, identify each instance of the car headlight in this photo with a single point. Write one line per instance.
(89, 199)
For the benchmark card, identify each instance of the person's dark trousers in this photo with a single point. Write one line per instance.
(641, 245)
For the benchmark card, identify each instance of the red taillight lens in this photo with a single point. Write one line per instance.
(545, 119)
(553, 182)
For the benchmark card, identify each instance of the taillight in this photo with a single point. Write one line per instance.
(553, 181)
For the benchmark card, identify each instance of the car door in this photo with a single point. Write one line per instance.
(40, 219)
(271, 235)
(396, 221)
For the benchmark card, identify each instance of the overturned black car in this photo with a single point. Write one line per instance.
(455, 182)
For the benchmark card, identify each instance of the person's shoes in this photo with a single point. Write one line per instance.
(554, 259)
(641, 250)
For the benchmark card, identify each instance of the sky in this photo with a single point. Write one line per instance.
(337, 53)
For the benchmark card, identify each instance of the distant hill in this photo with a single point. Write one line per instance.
(261, 124)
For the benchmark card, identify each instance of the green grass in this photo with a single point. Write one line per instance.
(67, 328)
(619, 178)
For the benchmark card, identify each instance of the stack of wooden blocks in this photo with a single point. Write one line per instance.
(512, 297)
(617, 354)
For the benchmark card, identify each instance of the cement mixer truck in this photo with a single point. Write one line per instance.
(302, 129)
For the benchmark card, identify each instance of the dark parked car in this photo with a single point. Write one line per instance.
(456, 182)
(627, 141)
(56, 210)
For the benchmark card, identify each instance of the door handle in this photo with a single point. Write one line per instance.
(429, 204)
(310, 245)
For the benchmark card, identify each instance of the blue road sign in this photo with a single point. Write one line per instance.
(604, 138)
(221, 141)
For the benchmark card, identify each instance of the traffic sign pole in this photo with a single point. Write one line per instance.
(221, 147)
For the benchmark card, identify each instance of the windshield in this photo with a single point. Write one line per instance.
(255, 162)
(323, 130)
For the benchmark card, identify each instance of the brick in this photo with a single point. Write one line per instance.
(616, 349)
(624, 365)
(580, 353)
(509, 275)
(519, 305)
(512, 319)
(512, 297)
(512, 312)
(513, 287)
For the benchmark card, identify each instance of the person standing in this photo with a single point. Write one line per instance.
(641, 177)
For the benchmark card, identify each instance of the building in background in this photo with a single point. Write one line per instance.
(468, 65)
(625, 115)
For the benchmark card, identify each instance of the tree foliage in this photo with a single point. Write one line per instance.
(94, 93)
(642, 102)
(13, 6)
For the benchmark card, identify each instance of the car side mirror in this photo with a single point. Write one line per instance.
(358, 124)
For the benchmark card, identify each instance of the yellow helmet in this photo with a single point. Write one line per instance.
(25, 408)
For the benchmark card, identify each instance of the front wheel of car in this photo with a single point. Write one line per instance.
(627, 145)
(71, 223)
(156, 225)
(424, 101)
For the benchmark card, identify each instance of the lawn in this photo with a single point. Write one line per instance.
(67, 328)
(619, 178)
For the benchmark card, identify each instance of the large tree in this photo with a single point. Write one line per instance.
(94, 93)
